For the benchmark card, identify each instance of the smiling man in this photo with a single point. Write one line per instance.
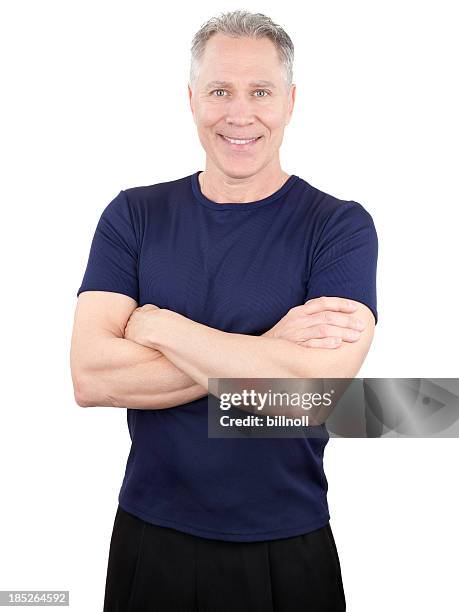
(238, 271)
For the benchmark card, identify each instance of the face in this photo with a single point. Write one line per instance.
(240, 93)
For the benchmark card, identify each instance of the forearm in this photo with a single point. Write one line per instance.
(122, 373)
(203, 352)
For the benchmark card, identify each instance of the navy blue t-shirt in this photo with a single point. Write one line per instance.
(237, 268)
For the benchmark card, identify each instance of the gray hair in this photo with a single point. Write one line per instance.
(239, 24)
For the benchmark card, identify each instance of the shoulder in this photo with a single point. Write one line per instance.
(140, 202)
(330, 213)
(330, 207)
(154, 192)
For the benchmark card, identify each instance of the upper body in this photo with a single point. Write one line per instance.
(236, 268)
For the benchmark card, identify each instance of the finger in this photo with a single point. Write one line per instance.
(333, 342)
(328, 317)
(329, 303)
(324, 330)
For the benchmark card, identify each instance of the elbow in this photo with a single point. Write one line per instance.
(331, 368)
(87, 393)
(83, 402)
(81, 392)
(89, 387)
(330, 373)
(80, 381)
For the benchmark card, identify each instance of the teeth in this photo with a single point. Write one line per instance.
(234, 141)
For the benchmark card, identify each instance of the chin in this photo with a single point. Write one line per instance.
(242, 171)
(245, 167)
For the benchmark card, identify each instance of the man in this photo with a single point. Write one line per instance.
(238, 271)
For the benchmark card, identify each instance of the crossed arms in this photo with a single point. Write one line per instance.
(152, 358)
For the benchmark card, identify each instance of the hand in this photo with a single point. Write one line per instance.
(323, 322)
(141, 324)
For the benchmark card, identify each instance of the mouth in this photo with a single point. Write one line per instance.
(237, 144)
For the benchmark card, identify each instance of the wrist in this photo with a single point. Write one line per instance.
(161, 333)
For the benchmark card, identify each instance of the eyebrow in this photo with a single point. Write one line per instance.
(261, 83)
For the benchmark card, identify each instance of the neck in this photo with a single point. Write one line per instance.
(221, 188)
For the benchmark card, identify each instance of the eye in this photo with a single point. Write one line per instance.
(265, 91)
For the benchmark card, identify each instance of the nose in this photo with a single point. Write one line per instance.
(239, 111)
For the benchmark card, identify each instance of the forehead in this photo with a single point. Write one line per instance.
(255, 83)
(226, 58)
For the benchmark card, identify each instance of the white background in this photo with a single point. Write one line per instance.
(94, 100)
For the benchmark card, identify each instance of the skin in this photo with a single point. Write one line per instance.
(242, 111)
(123, 355)
(210, 353)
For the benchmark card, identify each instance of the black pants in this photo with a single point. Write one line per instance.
(158, 569)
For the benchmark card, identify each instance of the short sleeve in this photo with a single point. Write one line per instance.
(113, 256)
(345, 257)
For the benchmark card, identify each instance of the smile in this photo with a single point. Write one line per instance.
(239, 145)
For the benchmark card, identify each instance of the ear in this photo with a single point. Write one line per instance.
(291, 102)
(190, 98)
